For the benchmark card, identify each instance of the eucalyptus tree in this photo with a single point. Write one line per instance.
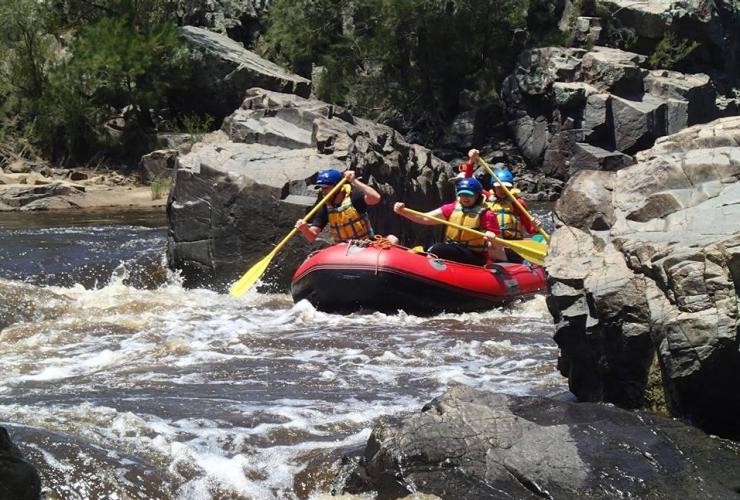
(72, 69)
(403, 61)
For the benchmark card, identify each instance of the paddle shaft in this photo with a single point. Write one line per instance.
(512, 197)
(312, 212)
(456, 226)
(529, 250)
(255, 272)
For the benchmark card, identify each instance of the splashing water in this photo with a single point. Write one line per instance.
(119, 392)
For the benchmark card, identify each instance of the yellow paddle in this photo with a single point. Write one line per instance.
(513, 198)
(532, 251)
(256, 271)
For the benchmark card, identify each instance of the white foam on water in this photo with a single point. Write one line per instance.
(275, 380)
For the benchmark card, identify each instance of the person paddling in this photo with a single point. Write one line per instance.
(466, 170)
(511, 219)
(346, 213)
(470, 210)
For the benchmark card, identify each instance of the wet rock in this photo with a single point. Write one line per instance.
(470, 444)
(645, 276)
(19, 480)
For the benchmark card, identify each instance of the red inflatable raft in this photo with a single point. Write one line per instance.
(349, 277)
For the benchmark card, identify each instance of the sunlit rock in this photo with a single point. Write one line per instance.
(472, 444)
(657, 251)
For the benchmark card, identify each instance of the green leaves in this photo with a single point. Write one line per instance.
(121, 65)
(69, 67)
(402, 61)
(671, 51)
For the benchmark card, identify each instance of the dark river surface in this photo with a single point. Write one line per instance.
(118, 383)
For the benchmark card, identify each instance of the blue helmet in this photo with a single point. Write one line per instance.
(505, 176)
(328, 177)
(470, 186)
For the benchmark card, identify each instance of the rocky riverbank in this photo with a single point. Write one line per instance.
(19, 480)
(26, 186)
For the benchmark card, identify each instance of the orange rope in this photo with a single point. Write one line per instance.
(381, 242)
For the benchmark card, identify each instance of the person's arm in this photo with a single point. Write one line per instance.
(531, 226)
(372, 197)
(309, 231)
(312, 229)
(490, 223)
(492, 229)
(437, 212)
(473, 156)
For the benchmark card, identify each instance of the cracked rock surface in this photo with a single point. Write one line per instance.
(645, 274)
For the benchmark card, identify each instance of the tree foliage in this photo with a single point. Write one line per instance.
(25, 52)
(405, 62)
(671, 51)
(72, 67)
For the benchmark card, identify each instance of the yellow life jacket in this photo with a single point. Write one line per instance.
(468, 217)
(508, 220)
(346, 223)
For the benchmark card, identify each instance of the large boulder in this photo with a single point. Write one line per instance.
(240, 191)
(53, 195)
(469, 444)
(226, 69)
(645, 274)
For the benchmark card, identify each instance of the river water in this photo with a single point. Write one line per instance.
(118, 383)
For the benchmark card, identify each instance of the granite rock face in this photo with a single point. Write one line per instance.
(645, 278)
(240, 191)
(714, 25)
(227, 69)
(570, 109)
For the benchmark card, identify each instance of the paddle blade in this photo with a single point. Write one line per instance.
(251, 276)
(532, 251)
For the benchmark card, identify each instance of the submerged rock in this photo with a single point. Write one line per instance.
(469, 444)
(22, 302)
